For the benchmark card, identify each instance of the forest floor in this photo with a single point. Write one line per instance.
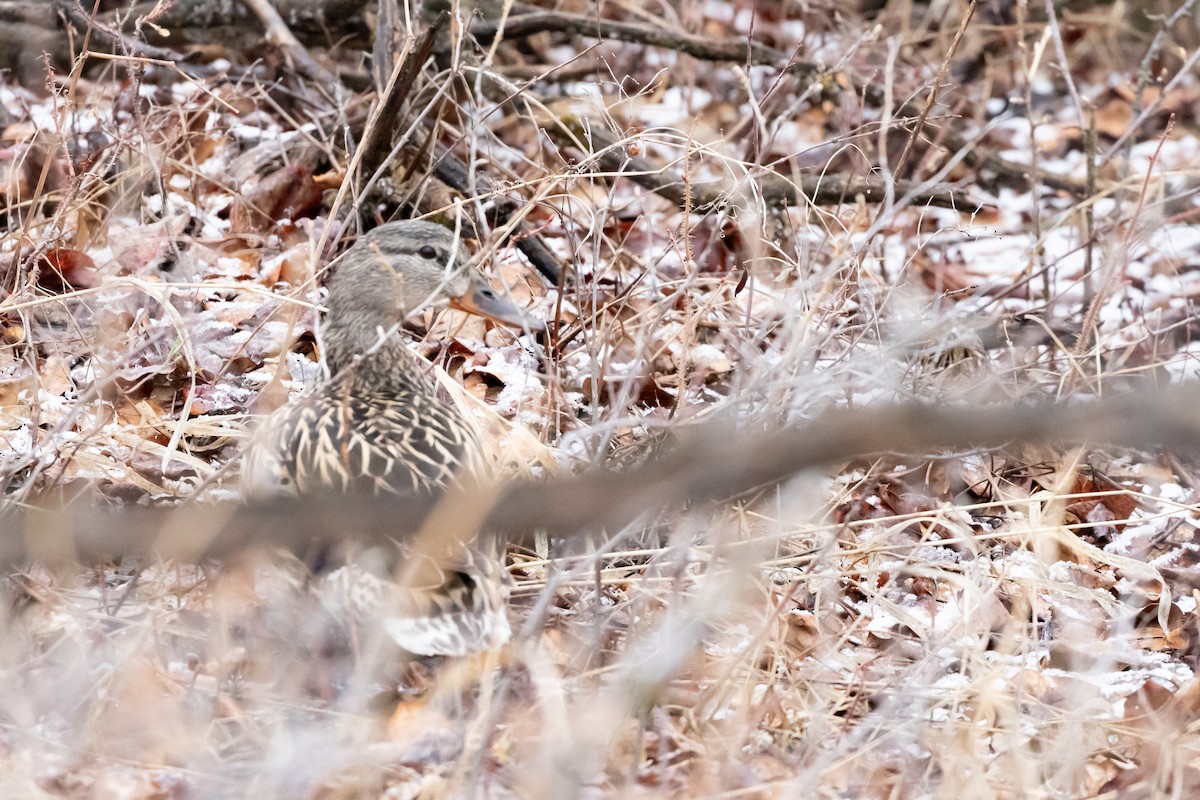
(728, 213)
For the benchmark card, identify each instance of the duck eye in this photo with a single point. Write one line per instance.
(428, 252)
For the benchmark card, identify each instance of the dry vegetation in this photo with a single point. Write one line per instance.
(734, 216)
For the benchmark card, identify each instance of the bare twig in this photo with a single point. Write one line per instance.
(1161, 96)
(1060, 50)
(1116, 268)
(1146, 74)
(902, 162)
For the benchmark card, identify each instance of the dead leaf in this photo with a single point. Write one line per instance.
(62, 269)
(289, 193)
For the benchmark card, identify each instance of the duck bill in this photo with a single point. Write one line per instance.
(482, 299)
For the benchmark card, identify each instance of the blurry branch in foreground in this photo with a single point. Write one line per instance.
(714, 461)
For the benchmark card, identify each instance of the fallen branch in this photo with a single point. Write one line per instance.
(112, 38)
(614, 157)
(523, 26)
(711, 462)
(280, 35)
(378, 137)
(451, 171)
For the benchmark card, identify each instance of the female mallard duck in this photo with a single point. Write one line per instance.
(377, 424)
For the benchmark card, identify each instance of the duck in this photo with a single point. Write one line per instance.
(377, 425)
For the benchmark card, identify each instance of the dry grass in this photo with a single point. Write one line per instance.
(971, 624)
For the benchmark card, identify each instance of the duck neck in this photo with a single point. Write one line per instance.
(388, 365)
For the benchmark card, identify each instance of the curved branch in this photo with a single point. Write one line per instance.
(712, 462)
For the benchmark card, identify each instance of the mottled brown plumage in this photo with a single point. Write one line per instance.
(377, 424)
